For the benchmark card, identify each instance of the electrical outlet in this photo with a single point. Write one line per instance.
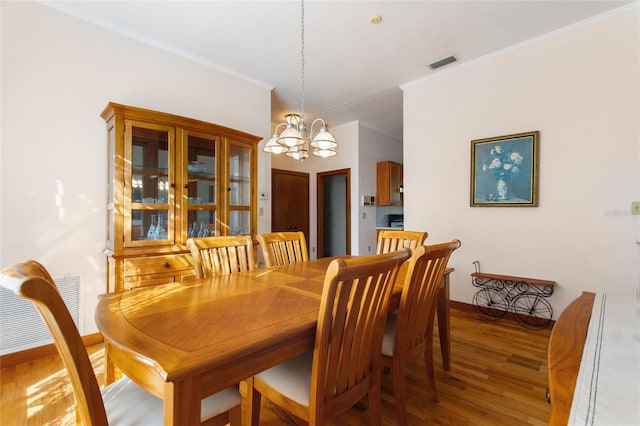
(635, 207)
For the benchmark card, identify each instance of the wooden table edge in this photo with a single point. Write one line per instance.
(564, 356)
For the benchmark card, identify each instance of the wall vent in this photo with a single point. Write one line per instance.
(20, 324)
(443, 62)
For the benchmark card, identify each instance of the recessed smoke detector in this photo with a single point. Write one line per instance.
(443, 62)
(375, 19)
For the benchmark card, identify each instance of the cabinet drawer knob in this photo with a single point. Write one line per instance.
(165, 264)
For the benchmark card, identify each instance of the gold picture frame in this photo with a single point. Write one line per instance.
(504, 171)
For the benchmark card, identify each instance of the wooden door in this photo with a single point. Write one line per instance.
(290, 202)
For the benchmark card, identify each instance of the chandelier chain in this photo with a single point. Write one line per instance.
(302, 61)
(296, 140)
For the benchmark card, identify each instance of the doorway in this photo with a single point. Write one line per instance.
(334, 212)
(290, 201)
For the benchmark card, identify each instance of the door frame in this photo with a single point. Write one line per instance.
(320, 205)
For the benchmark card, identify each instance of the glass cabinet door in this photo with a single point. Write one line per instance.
(149, 184)
(200, 185)
(239, 190)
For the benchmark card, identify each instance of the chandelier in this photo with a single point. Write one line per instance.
(294, 140)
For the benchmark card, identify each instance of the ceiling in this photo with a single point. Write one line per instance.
(353, 69)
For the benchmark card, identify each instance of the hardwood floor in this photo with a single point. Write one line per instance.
(498, 376)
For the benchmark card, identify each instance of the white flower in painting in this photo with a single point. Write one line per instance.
(504, 163)
(516, 158)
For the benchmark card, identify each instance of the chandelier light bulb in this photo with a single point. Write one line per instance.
(279, 149)
(324, 140)
(290, 137)
(273, 147)
(324, 153)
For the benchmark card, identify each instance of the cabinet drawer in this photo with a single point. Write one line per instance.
(137, 282)
(171, 263)
(157, 279)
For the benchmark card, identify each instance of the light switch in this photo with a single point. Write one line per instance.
(635, 207)
(262, 196)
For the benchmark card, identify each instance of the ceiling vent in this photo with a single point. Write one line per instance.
(443, 62)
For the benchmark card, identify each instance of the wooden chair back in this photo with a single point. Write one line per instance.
(420, 294)
(31, 281)
(346, 355)
(221, 255)
(415, 316)
(283, 248)
(392, 240)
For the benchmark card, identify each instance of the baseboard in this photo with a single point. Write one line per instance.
(468, 307)
(28, 355)
(461, 306)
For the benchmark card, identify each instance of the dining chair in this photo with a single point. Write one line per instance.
(344, 364)
(409, 329)
(121, 403)
(392, 239)
(221, 255)
(283, 248)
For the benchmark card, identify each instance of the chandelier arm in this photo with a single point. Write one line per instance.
(311, 134)
(275, 132)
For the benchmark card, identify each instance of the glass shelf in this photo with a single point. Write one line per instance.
(196, 177)
(161, 171)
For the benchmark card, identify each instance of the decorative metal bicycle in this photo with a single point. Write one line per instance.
(525, 298)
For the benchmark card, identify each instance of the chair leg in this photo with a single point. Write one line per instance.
(375, 399)
(255, 405)
(235, 416)
(431, 378)
(399, 391)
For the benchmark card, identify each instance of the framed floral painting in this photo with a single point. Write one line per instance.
(504, 171)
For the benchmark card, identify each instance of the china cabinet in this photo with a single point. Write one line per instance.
(389, 183)
(171, 178)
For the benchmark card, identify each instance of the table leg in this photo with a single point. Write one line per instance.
(109, 367)
(444, 328)
(182, 402)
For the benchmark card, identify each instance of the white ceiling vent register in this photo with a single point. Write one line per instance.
(20, 324)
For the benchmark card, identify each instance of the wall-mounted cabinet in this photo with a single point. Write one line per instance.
(171, 178)
(389, 183)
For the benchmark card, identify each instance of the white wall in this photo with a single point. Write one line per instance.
(580, 89)
(58, 74)
(374, 147)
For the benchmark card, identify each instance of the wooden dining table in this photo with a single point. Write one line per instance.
(185, 341)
